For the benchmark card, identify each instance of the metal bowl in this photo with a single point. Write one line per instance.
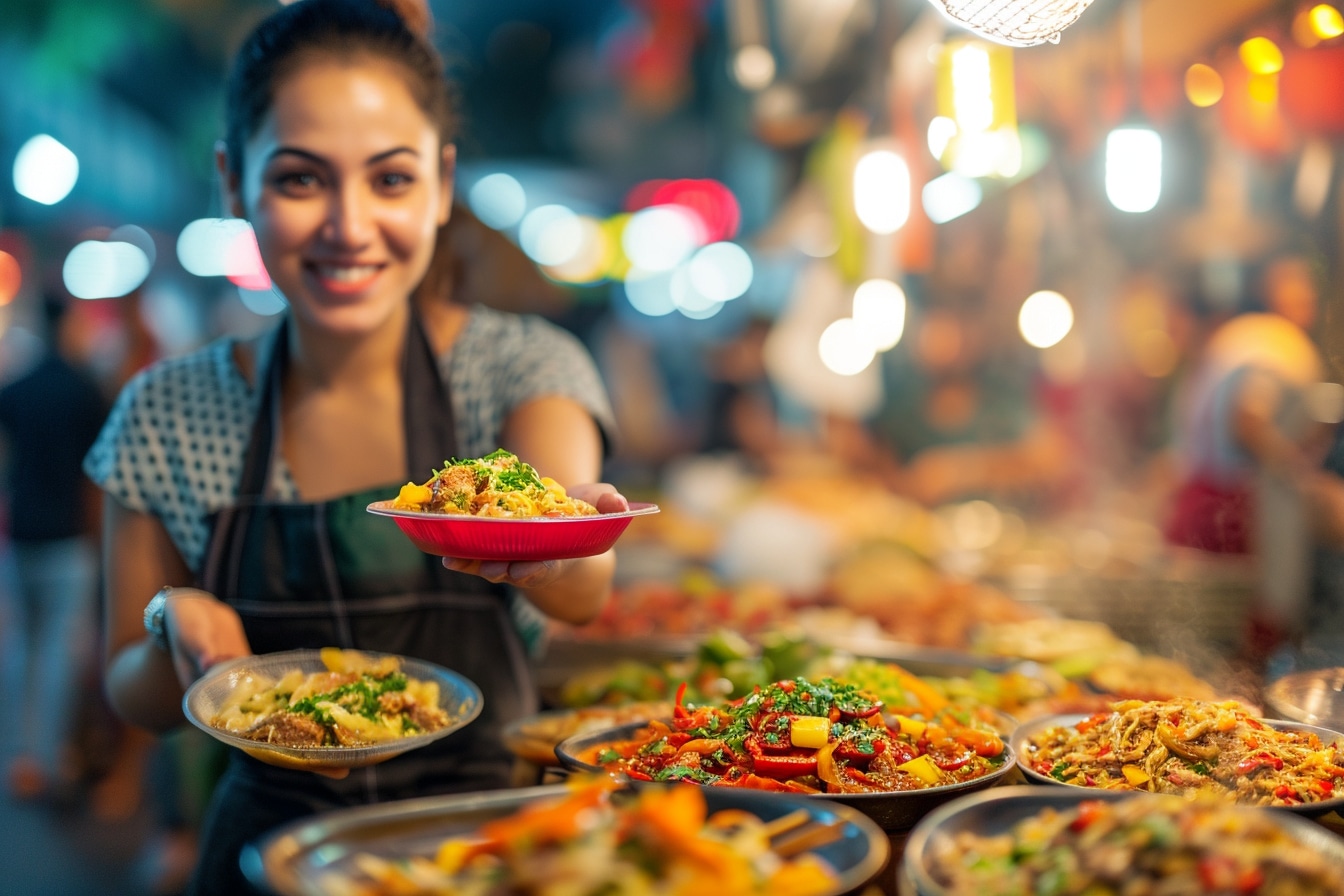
(1021, 738)
(996, 811)
(893, 812)
(314, 856)
(459, 697)
(1314, 697)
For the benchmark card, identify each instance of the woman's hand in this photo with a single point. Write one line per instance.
(602, 495)
(540, 573)
(202, 631)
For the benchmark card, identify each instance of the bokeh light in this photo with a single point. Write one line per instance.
(1045, 319)
(1203, 85)
(1326, 21)
(550, 234)
(845, 348)
(104, 270)
(650, 292)
(206, 246)
(591, 260)
(754, 67)
(1133, 169)
(499, 200)
(11, 278)
(660, 237)
(882, 191)
(45, 171)
(720, 272)
(262, 302)
(950, 196)
(879, 311)
(1261, 56)
(941, 131)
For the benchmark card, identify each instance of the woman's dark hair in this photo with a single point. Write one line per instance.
(397, 32)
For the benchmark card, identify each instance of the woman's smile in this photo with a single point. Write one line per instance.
(345, 279)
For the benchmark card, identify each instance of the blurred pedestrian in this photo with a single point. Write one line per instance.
(50, 415)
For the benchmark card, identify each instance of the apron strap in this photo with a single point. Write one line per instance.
(427, 424)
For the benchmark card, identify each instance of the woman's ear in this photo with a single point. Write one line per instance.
(447, 178)
(230, 195)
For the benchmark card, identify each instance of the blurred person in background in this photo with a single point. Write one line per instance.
(964, 418)
(50, 414)
(1249, 437)
(252, 456)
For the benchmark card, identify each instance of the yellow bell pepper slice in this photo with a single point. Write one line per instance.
(922, 768)
(809, 732)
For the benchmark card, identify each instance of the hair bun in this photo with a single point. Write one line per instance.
(415, 13)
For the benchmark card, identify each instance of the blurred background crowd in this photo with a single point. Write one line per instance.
(881, 305)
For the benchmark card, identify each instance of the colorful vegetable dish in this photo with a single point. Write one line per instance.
(1189, 747)
(657, 843)
(496, 485)
(1135, 847)
(803, 736)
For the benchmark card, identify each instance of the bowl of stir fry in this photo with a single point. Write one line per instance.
(586, 836)
(498, 507)
(1188, 748)
(330, 708)
(1036, 841)
(821, 739)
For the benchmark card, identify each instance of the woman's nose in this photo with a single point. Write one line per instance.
(349, 218)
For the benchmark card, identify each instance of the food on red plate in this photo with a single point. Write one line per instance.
(1190, 747)
(805, 737)
(499, 484)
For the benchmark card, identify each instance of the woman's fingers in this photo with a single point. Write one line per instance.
(524, 574)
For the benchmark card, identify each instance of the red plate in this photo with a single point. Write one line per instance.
(495, 538)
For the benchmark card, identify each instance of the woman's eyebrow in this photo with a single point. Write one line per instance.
(314, 157)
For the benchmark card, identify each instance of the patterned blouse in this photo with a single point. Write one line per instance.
(174, 443)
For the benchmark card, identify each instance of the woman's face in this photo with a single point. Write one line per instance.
(345, 183)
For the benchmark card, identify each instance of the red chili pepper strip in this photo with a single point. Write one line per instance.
(1259, 760)
(679, 711)
(792, 765)
(1088, 812)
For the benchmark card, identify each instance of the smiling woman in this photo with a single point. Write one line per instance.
(243, 470)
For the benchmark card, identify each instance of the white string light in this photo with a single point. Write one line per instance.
(1019, 23)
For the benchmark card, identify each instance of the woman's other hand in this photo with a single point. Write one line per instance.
(203, 632)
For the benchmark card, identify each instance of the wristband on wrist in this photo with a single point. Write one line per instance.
(155, 623)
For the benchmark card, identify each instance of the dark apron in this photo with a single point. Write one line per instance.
(332, 574)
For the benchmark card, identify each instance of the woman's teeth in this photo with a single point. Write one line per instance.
(347, 274)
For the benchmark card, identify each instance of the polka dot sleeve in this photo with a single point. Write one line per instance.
(173, 443)
(505, 360)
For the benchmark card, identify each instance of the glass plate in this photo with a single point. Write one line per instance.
(458, 697)
(513, 540)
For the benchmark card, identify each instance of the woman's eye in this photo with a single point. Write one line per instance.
(394, 180)
(296, 182)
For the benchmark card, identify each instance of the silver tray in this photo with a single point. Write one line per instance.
(295, 860)
(1315, 697)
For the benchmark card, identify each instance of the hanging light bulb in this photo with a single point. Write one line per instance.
(1020, 23)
